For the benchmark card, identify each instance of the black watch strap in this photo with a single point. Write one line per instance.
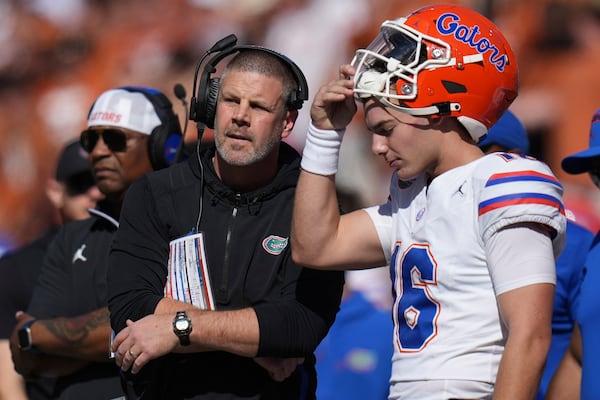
(184, 340)
(24, 337)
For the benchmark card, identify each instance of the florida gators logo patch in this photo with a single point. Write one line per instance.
(274, 244)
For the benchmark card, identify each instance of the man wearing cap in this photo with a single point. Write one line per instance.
(65, 332)
(72, 191)
(581, 362)
(509, 135)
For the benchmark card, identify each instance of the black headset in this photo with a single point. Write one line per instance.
(204, 102)
(166, 140)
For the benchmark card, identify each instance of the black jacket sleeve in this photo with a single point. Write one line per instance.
(138, 259)
(11, 295)
(295, 327)
(19, 271)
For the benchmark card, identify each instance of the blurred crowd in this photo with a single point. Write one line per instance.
(58, 55)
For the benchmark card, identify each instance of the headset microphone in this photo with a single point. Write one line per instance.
(179, 91)
(226, 42)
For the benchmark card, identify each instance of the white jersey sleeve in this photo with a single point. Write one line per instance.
(519, 189)
(382, 218)
(516, 249)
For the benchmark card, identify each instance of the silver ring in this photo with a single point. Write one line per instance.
(131, 353)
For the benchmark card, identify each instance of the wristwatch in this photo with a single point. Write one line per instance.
(24, 336)
(182, 326)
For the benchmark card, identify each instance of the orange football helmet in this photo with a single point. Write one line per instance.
(440, 60)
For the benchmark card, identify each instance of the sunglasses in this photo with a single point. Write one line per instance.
(114, 139)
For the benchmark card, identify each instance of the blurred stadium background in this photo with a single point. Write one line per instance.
(56, 56)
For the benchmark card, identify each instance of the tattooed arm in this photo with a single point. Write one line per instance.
(62, 345)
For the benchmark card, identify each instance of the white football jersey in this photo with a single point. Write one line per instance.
(446, 319)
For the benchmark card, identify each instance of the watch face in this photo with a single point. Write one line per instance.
(182, 324)
(24, 339)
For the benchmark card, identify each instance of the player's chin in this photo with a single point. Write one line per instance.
(405, 174)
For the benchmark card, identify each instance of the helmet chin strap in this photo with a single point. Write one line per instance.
(475, 129)
(435, 109)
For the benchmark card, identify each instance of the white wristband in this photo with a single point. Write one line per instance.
(321, 150)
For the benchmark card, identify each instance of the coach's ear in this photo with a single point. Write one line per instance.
(289, 121)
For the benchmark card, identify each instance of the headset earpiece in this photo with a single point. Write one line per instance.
(212, 94)
(193, 109)
(166, 140)
(164, 146)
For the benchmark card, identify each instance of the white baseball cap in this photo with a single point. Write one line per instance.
(121, 108)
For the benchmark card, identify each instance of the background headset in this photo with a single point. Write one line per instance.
(166, 140)
(204, 102)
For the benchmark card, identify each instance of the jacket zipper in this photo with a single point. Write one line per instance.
(225, 275)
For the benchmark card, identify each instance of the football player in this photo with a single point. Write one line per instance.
(471, 239)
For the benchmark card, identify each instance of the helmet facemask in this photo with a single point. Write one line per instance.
(389, 68)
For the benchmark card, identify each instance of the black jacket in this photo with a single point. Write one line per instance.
(19, 271)
(295, 306)
(72, 282)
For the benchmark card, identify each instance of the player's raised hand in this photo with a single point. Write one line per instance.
(334, 105)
